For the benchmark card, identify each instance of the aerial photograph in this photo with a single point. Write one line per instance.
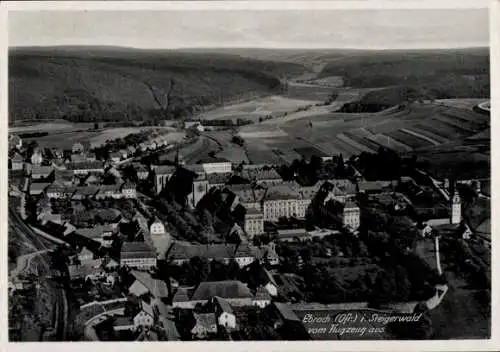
(235, 175)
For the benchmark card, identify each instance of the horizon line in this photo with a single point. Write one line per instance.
(246, 47)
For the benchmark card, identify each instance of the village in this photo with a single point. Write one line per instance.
(215, 250)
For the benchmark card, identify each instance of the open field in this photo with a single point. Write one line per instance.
(55, 125)
(252, 110)
(421, 126)
(67, 137)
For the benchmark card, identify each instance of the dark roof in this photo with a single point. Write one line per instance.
(213, 160)
(261, 174)
(286, 312)
(165, 169)
(207, 320)
(42, 170)
(223, 304)
(89, 165)
(223, 289)
(217, 178)
(187, 250)
(131, 250)
(123, 321)
(181, 295)
(157, 288)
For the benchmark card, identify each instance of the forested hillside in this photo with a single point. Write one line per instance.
(110, 84)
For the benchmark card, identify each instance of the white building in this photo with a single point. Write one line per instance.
(351, 215)
(456, 209)
(216, 165)
(157, 227)
(224, 312)
(145, 318)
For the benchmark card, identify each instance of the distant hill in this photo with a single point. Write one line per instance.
(460, 73)
(109, 84)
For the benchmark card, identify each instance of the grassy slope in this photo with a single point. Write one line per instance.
(51, 83)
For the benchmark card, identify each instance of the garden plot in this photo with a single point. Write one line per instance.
(408, 139)
(390, 143)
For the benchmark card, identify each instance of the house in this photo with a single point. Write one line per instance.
(85, 255)
(55, 218)
(218, 179)
(180, 253)
(137, 255)
(87, 270)
(351, 215)
(145, 317)
(156, 227)
(280, 201)
(267, 176)
(293, 235)
(16, 161)
(145, 284)
(37, 189)
(254, 222)
(123, 153)
(128, 190)
(115, 157)
(36, 157)
(224, 313)
(142, 171)
(205, 325)
(269, 255)
(64, 177)
(77, 148)
(262, 298)
(284, 314)
(123, 323)
(15, 141)
(86, 167)
(216, 165)
(85, 192)
(91, 180)
(41, 172)
(373, 187)
(77, 158)
(234, 292)
(103, 234)
(131, 150)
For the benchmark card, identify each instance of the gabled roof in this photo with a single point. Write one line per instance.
(224, 289)
(261, 174)
(223, 304)
(41, 170)
(262, 294)
(157, 288)
(131, 250)
(286, 312)
(89, 165)
(181, 295)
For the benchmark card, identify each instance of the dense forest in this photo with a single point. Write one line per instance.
(92, 84)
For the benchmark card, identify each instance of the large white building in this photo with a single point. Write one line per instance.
(216, 165)
(456, 209)
(351, 215)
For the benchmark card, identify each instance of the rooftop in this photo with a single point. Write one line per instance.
(224, 289)
(41, 170)
(261, 174)
(89, 165)
(157, 288)
(131, 250)
(207, 320)
(212, 160)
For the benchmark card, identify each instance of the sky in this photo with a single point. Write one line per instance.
(331, 28)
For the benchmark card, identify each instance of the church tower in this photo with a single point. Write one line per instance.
(456, 209)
